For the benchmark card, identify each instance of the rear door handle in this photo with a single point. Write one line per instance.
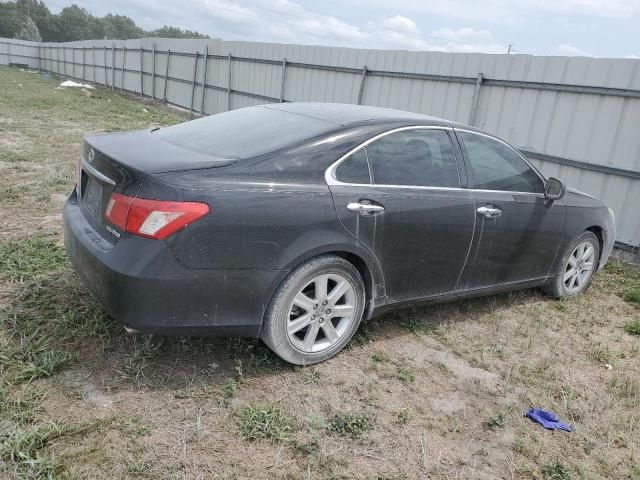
(364, 207)
(489, 211)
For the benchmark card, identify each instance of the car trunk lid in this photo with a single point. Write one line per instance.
(120, 162)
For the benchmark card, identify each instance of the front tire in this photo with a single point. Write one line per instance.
(315, 311)
(577, 267)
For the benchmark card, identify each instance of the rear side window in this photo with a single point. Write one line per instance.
(416, 157)
(244, 133)
(355, 169)
(495, 166)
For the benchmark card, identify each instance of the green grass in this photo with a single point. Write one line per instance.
(632, 327)
(263, 422)
(405, 415)
(30, 256)
(24, 449)
(497, 421)
(555, 471)
(633, 296)
(352, 425)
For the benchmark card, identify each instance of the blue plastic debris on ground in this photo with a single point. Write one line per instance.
(548, 420)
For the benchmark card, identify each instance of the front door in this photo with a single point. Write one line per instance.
(400, 196)
(518, 231)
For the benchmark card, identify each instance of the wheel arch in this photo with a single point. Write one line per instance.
(366, 264)
(599, 232)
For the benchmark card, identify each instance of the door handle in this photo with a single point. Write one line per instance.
(489, 211)
(365, 207)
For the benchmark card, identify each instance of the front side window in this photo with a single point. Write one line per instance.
(415, 157)
(495, 166)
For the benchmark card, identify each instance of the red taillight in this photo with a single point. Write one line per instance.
(157, 219)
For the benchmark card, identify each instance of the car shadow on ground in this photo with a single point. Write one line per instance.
(58, 310)
(180, 363)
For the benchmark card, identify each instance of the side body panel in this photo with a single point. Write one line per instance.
(521, 244)
(421, 239)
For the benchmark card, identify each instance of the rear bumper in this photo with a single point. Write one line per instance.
(141, 284)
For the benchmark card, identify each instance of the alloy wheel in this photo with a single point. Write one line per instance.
(321, 313)
(579, 268)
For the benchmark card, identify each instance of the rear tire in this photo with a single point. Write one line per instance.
(577, 267)
(315, 311)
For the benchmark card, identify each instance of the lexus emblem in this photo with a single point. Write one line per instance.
(92, 155)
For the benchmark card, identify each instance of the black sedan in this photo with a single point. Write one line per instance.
(293, 222)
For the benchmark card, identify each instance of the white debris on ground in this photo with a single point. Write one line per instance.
(71, 83)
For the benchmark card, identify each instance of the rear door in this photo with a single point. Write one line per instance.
(518, 231)
(400, 195)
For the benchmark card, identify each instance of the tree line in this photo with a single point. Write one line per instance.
(32, 20)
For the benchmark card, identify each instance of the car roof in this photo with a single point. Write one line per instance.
(345, 114)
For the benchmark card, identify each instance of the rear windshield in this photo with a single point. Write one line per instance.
(243, 133)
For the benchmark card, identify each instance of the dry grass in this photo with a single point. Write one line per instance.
(431, 393)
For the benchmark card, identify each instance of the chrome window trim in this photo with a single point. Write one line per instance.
(514, 150)
(353, 152)
(329, 174)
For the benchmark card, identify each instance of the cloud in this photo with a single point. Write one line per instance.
(464, 35)
(401, 24)
(567, 50)
(631, 55)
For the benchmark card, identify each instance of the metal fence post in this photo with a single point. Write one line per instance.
(39, 56)
(9, 53)
(113, 65)
(229, 83)
(204, 78)
(153, 73)
(124, 57)
(93, 61)
(73, 62)
(84, 61)
(283, 79)
(58, 60)
(363, 78)
(476, 100)
(104, 66)
(166, 76)
(193, 83)
(141, 74)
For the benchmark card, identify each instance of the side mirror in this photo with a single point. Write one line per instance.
(554, 189)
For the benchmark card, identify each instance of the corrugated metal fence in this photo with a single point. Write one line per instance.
(577, 118)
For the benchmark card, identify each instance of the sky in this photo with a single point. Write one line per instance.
(600, 28)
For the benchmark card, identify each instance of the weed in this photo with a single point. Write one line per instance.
(405, 374)
(363, 335)
(21, 406)
(632, 327)
(33, 358)
(353, 425)
(229, 390)
(405, 415)
(625, 387)
(602, 354)
(263, 422)
(311, 377)
(555, 471)
(497, 421)
(136, 361)
(632, 295)
(23, 448)
(379, 357)
(30, 256)
(417, 326)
